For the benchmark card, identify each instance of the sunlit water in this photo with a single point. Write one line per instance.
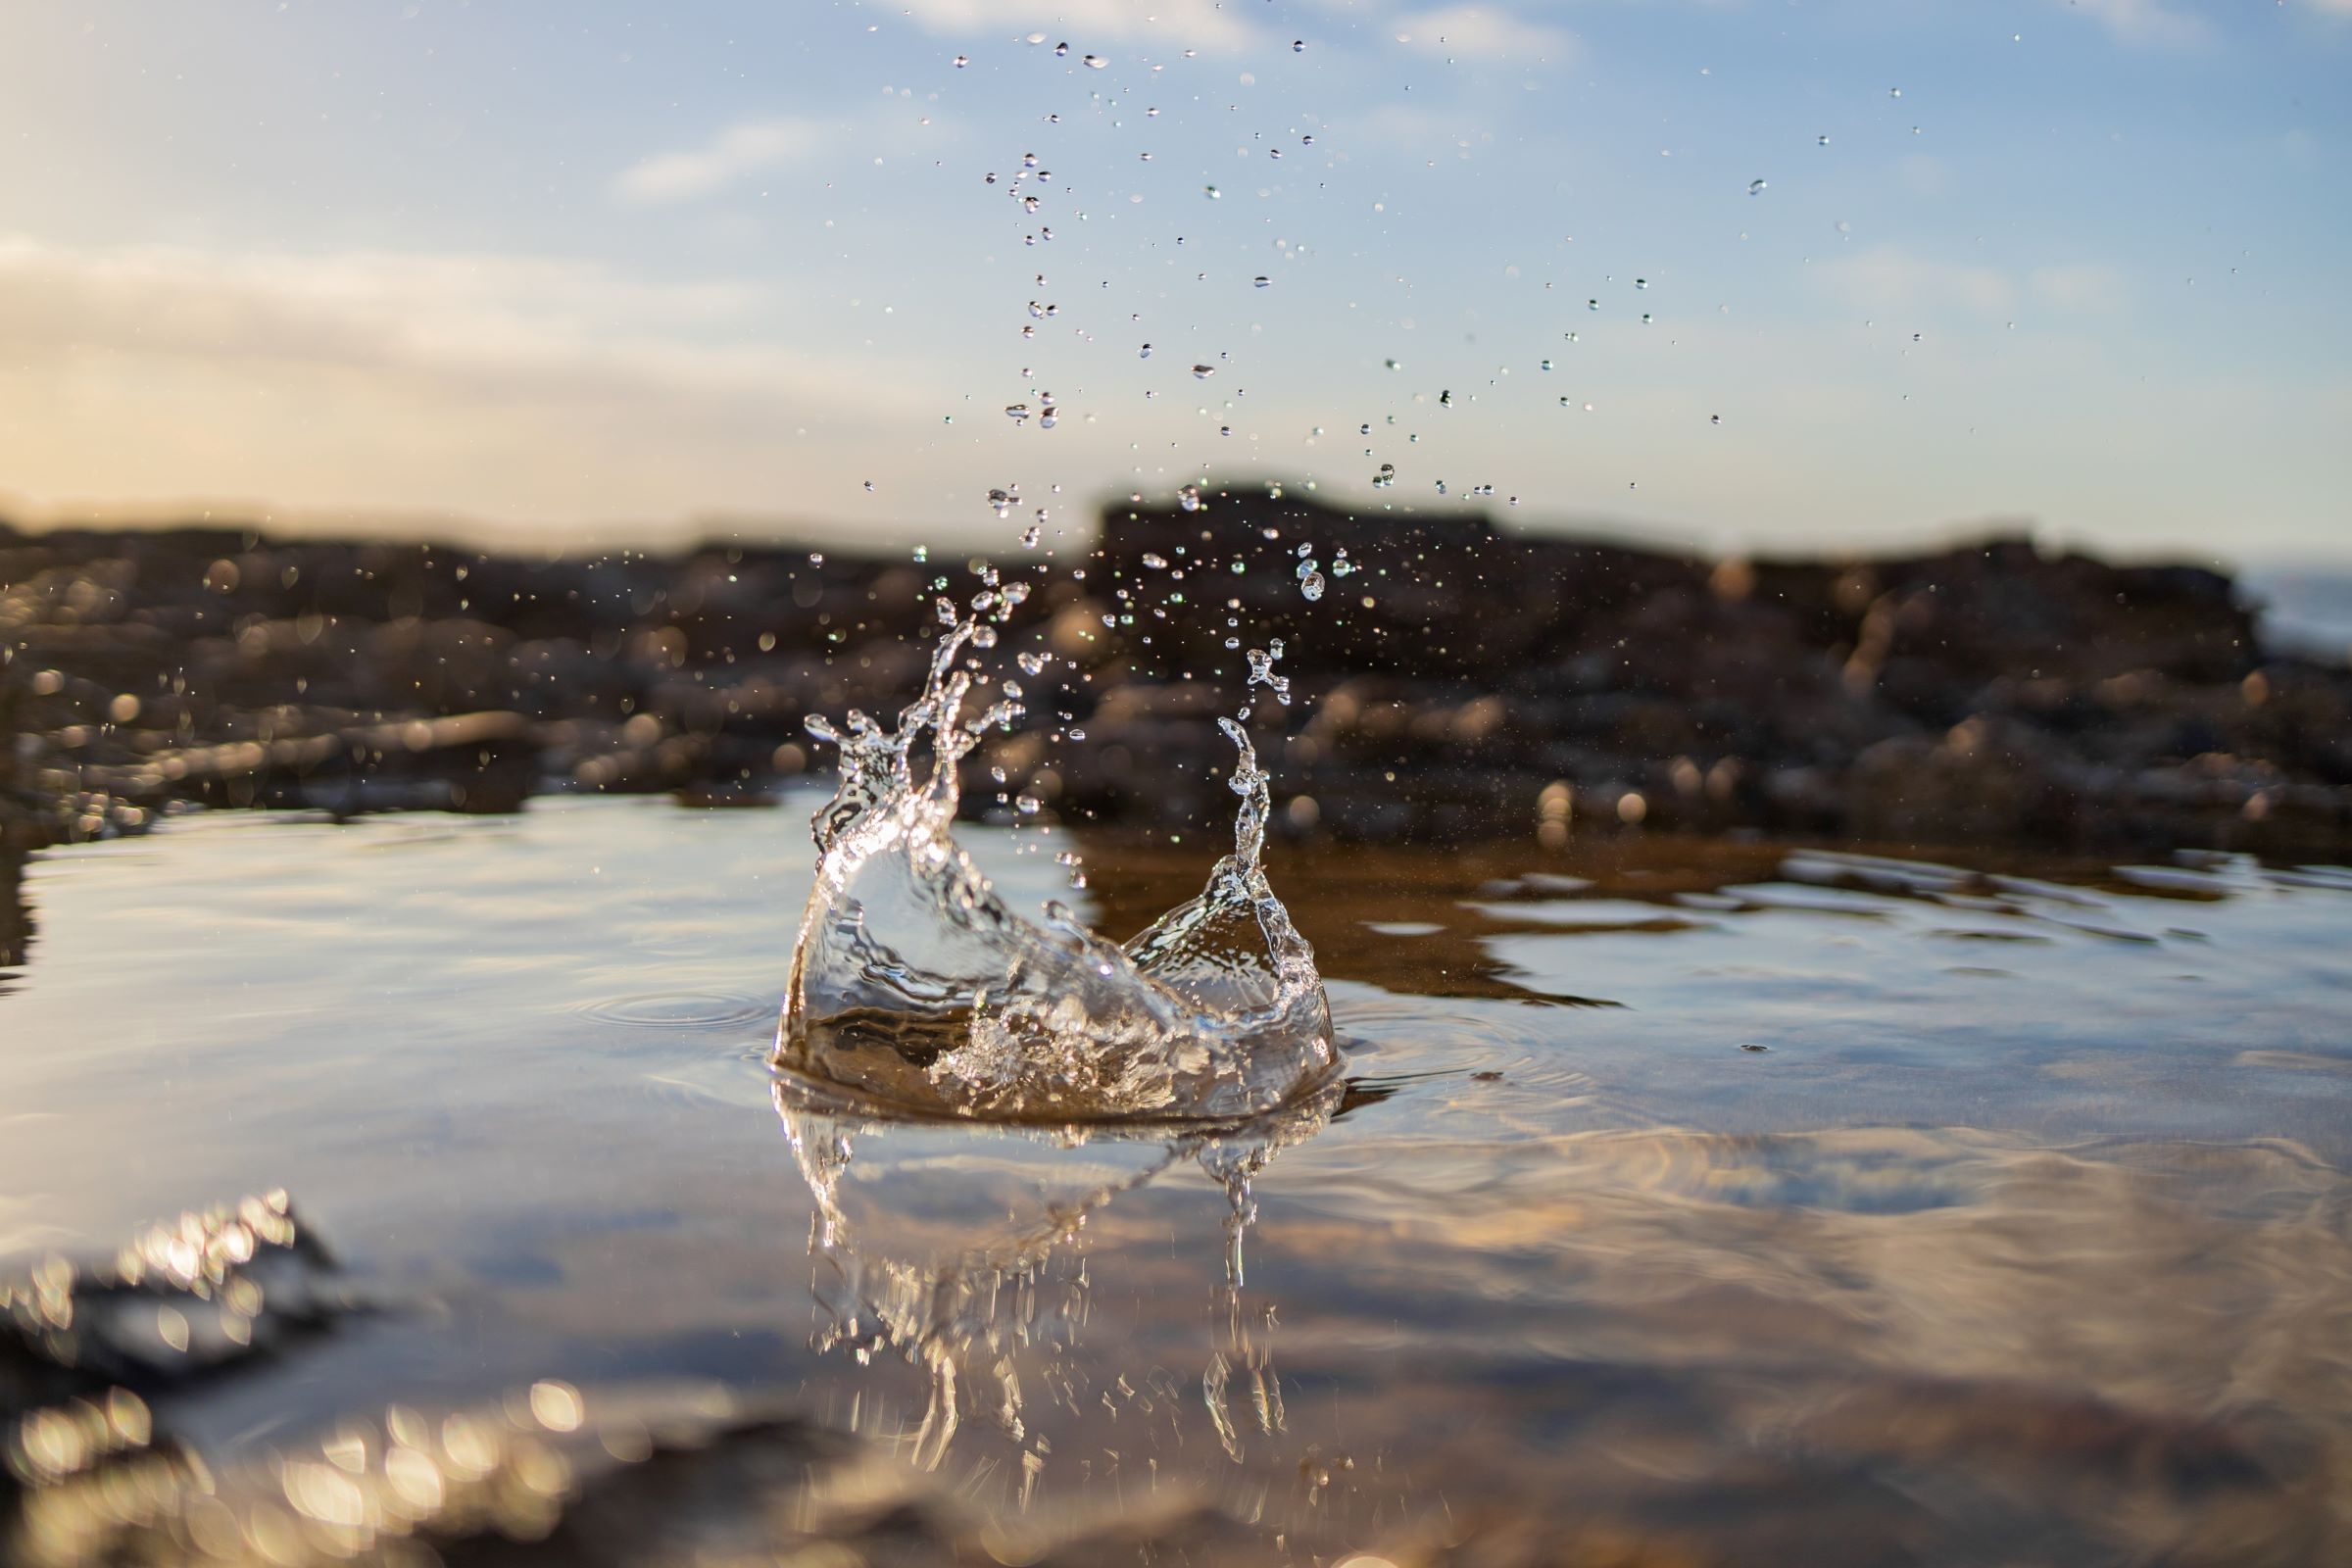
(2025, 1238)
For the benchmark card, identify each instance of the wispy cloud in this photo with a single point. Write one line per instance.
(2082, 287)
(2151, 21)
(1420, 131)
(1888, 278)
(1486, 32)
(1084, 24)
(734, 154)
(527, 386)
(370, 310)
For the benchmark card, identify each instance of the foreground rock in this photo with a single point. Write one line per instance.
(95, 1358)
(1455, 682)
(20, 829)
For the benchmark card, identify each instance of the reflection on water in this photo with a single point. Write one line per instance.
(961, 1249)
(2028, 1239)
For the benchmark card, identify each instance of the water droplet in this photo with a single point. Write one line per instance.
(1204, 372)
(1210, 191)
(1640, 282)
(869, 487)
(1097, 62)
(1311, 585)
(1298, 46)
(1262, 281)
(1755, 188)
(1061, 51)
(817, 558)
(1030, 537)
(1714, 418)
(962, 61)
(1188, 497)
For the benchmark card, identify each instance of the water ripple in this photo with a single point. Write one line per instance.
(682, 1009)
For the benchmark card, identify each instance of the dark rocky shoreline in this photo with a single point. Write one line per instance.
(1460, 683)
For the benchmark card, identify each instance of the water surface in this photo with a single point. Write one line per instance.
(2025, 1238)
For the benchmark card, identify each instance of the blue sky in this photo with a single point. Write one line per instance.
(625, 271)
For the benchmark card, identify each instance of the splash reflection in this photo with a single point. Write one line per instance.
(962, 1249)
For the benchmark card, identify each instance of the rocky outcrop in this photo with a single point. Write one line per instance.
(1452, 681)
(20, 827)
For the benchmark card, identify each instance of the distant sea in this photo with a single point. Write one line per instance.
(2305, 610)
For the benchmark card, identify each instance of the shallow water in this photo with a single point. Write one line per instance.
(2027, 1238)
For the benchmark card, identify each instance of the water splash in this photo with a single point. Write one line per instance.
(915, 986)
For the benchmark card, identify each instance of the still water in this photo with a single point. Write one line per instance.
(2026, 1237)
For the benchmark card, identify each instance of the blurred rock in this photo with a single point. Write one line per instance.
(1447, 679)
(92, 1472)
(18, 832)
(180, 1300)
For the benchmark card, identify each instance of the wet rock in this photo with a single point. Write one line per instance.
(553, 1474)
(181, 1300)
(18, 822)
(1981, 780)
(547, 1473)
(1456, 673)
(461, 762)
